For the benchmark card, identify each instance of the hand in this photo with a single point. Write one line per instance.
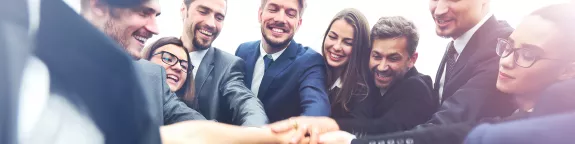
(193, 132)
(314, 126)
(336, 137)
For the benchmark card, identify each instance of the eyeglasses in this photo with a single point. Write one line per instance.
(171, 59)
(524, 57)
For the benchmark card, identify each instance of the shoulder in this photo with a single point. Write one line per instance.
(149, 69)
(248, 45)
(225, 58)
(307, 54)
(417, 81)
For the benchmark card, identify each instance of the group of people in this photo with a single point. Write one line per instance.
(362, 88)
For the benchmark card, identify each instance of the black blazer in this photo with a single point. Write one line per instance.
(471, 94)
(221, 93)
(406, 104)
(94, 73)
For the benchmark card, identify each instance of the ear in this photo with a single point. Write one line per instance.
(260, 12)
(568, 73)
(413, 59)
(298, 24)
(184, 11)
(98, 8)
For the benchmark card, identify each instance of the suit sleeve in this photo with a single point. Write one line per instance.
(247, 109)
(174, 109)
(476, 99)
(439, 134)
(313, 95)
(414, 106)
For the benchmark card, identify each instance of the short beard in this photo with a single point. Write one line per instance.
(115, 33)
(276, 45)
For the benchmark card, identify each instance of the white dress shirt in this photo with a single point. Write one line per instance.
(337, 84)
(459, 44)
(259, 68)
(196, 59)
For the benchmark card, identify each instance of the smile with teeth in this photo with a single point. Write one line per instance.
(334, 56)
(382, 75)
(140, 38)
(443, 21)
(278, 30)
(174, 78)
(205, 32)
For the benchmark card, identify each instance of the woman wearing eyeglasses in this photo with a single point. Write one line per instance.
(170, 53)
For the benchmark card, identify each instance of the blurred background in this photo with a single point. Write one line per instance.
(241, 23)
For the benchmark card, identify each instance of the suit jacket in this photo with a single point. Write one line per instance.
(471, 94)
(166, 107)
(14, 50)
(94, 74)
(293, 85)
(407, 103)
(221, 93)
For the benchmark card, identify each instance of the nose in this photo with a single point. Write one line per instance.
(177, 68)
(508, 62)
(382, 66)
(152, 26)
(211, 22)
(281, 17)
(337, 46)
(441, 8)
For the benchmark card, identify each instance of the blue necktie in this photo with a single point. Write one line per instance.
(267, 61)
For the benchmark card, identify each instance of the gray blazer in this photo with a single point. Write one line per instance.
(164, 106)
(221, 93)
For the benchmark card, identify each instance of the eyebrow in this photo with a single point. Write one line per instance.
(331, 32)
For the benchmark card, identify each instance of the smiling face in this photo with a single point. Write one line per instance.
(132, 27)
(279, 20)
(389, 61)
(203, 22)
(455, 17)
(338, 44)
(541, 34)
(176, 75)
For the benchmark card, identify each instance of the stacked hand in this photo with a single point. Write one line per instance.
(320, 130)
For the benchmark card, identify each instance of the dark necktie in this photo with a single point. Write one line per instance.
(267, 61)
(450, 62)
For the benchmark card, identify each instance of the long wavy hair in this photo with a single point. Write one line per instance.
(354, 77)
(187, 90)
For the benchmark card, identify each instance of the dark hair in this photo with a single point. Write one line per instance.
(563, 16)
(354, 76)
(301, 3)
(394, 27)
(188, 2)
(187, 90)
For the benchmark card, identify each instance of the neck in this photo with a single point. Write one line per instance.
(187, 41)
(337, 73)
(526, 101)
(475, 22)
(271, 50)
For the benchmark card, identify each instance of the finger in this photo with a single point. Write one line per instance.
(314, 135)
(299, 134)
(281, 127)
(305, 141)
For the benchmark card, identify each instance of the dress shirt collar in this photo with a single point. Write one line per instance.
(337, 84)
(275, 56)
(460, 43)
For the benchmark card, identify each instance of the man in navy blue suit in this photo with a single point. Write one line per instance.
(287, 77)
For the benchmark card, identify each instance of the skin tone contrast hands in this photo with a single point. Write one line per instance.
(297, 130)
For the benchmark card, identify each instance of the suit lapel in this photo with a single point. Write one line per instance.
(474, 43)
(278, 66)
(205, 69)
(251, 62)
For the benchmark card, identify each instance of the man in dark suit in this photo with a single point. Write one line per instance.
(92, 94)
(465, 81)
(287, 77)
(127, 28)
(219, 76)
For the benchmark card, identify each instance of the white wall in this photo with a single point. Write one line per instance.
(241, 24)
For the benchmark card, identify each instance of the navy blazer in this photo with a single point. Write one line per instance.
(293, 85)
